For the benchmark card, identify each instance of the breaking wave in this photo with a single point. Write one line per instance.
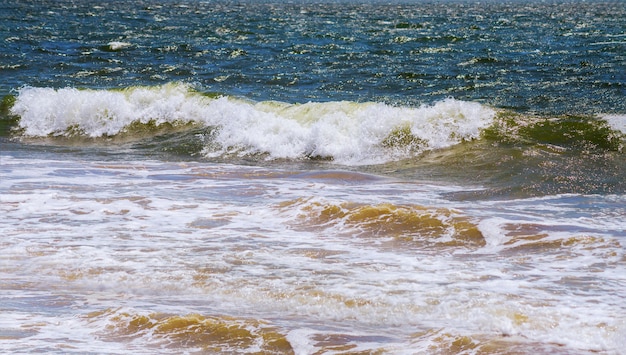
(345, 132)
(176, 118)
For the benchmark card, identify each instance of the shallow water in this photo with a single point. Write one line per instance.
(148, 256)
(312, 178)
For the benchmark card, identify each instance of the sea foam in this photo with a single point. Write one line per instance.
(616, 122)
(117, 45)
(346, 132)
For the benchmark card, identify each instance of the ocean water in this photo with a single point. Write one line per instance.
(313, 177)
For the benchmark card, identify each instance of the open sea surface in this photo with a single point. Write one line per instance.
(313, 177)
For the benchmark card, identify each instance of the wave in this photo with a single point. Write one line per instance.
(408, 225)
(605, 132)
(176, 118)
(202, 333)
(346, 132)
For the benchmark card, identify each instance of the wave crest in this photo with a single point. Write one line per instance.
(346, 132)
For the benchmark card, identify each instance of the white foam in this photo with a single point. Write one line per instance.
(300, 341)
(491, 229)
(617, 122)
(96, 113)
(347, 132)
(117, 45)
(130, 234)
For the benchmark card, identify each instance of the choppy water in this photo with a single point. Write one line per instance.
(313, 177)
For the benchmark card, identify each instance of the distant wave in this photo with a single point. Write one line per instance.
(346, 132)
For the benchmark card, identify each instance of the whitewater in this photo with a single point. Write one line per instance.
(312, 177)
(349, 133)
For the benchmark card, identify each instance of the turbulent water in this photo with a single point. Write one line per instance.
(313, 177)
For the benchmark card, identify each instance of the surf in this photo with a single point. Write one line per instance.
(351, 133)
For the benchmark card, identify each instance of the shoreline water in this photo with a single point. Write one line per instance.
(151, 253)
(312, 177)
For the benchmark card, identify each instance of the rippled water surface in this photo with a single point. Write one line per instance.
(352, 177)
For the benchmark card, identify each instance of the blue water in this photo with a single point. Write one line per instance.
(555, 72)
(549, 57)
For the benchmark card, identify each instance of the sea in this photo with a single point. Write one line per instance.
(313, 177)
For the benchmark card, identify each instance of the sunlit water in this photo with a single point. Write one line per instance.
(312, 178)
